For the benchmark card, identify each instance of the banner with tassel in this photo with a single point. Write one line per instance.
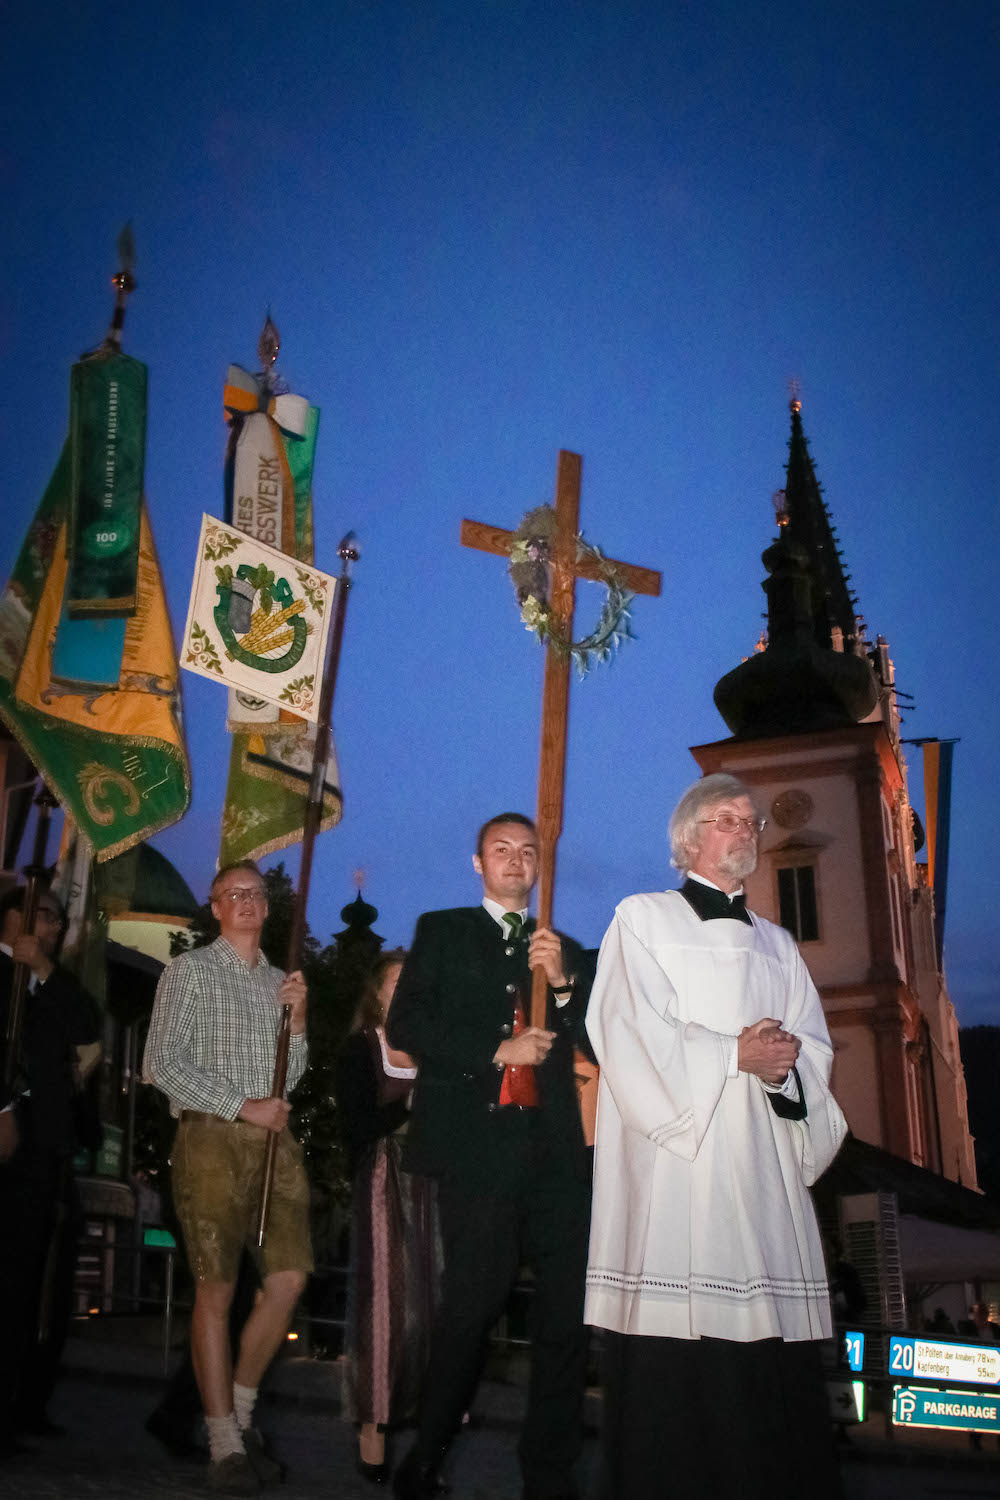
(94, 702)
(268, 491)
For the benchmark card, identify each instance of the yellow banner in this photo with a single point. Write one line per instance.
(141, 707)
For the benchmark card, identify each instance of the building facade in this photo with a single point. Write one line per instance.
(815, 733)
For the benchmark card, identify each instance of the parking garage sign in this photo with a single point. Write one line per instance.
(971, 1411)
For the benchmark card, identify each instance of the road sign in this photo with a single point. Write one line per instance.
(932, 1359)
(920, 1406)
(160, 1238)
(845, 1399)
(108, 1162)
(854, 1346)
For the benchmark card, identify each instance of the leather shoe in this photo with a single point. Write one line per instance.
(233, 1475)
(178, 1437)
(267, 1469)
(374, 1473)
(416, 1480)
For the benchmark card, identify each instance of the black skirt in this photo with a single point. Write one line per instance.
(696, 1417)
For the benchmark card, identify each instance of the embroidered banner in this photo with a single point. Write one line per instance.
(116, 759)
(108, 445)
(258, 620)
(268, 488)
(268, 790)
(272, 446)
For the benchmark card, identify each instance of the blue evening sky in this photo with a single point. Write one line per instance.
(491, 230)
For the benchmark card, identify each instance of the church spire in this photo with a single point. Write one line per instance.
(808, 524)
(813, 674)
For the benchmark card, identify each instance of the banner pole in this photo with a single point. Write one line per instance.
(348, 554)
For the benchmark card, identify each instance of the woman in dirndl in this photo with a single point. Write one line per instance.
(395, 1244)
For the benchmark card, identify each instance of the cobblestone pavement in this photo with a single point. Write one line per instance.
(107, 1455)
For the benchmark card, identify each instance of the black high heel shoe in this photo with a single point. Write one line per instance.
(374, 1473)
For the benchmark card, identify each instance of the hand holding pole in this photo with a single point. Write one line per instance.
(348, 554)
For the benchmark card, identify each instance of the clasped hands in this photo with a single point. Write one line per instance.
(273, 1113)
(767, 1051)
(532, 1046)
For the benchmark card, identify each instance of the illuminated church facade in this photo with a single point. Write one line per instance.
(815, 733)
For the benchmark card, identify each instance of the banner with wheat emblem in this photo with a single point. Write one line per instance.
(258, 620)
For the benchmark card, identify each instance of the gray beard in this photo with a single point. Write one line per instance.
(740, 863)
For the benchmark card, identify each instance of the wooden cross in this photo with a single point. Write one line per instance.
(566, 569)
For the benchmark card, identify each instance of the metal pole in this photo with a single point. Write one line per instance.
(168, 1309)
(132, 1054)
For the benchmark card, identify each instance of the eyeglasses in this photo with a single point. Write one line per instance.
(732, 823)
(242, 893)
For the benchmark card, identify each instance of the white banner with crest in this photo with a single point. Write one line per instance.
(258, 620)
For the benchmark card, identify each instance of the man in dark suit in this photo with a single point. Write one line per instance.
(38, 1137)
(495, 1120)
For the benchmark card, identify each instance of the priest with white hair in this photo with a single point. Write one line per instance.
(714, 1118)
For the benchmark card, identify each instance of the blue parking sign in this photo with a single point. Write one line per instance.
(970, 1411)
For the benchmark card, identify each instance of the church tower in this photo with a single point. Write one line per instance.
(815, 733)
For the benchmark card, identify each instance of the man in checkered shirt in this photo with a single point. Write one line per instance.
(211, 1048)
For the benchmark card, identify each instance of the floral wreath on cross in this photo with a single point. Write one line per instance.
(529, 568)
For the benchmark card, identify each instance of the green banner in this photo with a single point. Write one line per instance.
(116, 760)
(301, 455)
(107, 447)
(267, 794)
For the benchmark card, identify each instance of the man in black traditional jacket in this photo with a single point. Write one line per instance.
(38, 1138)
(495, 1119)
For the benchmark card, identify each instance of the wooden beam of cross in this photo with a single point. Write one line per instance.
(566, 569)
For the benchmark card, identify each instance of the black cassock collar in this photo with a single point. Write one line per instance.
(710, 903)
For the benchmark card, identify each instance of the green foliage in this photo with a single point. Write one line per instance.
(263, 580)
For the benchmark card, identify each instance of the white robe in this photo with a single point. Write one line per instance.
(702, 1222)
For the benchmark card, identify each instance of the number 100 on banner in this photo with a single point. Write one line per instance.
(932, 1359)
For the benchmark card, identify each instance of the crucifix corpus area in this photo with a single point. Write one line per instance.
(566, 569)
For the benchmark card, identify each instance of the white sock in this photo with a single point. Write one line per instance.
(244, 1398)
(223, 1437)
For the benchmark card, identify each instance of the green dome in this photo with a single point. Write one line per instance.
(142, 880)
